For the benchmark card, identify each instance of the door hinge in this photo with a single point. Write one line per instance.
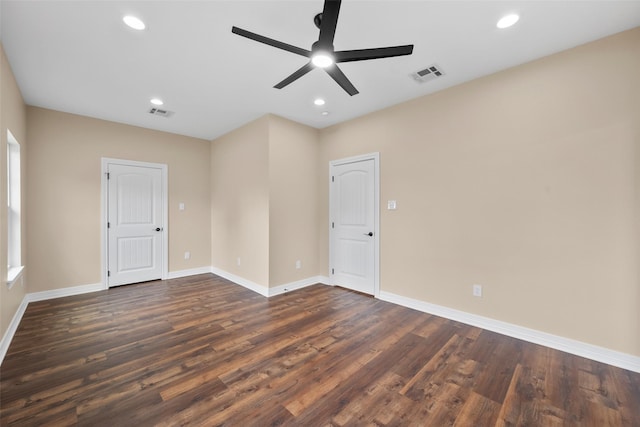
(108, 273)
(332, 272)
(333, 225)
(108, 175)
(108, 225)
(333, 178)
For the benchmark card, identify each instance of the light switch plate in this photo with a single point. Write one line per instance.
(477, 290)
(391, 205)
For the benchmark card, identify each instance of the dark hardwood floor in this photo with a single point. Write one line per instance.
(203, 351)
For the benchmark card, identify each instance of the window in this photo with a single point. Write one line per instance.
(14, 232)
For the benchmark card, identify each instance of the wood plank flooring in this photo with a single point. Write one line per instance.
(203, 351)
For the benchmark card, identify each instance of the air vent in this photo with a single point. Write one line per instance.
(429, 73)
(160, 112)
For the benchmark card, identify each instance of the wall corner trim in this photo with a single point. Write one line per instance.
(578, 348)
(266, 291)
(41, 296)
(13, 327)
(262, 290)
(77, 290)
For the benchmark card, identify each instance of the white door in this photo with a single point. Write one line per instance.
(135, 224)
(354, 207)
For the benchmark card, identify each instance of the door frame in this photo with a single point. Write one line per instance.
(104, 199)
(376, 214)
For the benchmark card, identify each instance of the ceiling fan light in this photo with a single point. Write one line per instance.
(322, 59)
(133, 22)
(319, 101)
(507, 21)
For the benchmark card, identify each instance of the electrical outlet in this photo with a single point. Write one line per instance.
(477, 290)
(298, 264)
(187, 255)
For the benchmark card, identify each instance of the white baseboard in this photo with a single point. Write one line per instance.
(189, 272)
(13, 327)
(65, 292)
(41, 296)
(262, 290)
(288, 287)
(578, 348)
(324, 280)
(83, 289)
(590, 351)
(266, 291)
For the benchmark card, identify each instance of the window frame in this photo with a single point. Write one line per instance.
(14, 211)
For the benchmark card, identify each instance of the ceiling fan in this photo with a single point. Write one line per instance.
(322, 53)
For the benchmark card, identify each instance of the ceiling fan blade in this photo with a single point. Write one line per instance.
(375, 53)
(296, 75)
(271, 42)
(329, 23)
(337, 75)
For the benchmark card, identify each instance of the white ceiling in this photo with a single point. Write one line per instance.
(79, 57)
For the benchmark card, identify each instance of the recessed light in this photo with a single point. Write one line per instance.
(507, 21)
(156, 101)
(319, 101)
(134, 22)
(325, 113)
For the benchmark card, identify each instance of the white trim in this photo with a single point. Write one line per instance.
(64, 292)
(262, 290)
(376, 165)
(324, 280)
(40, 296)
(83, 289)
(105, 162)
(590, 351)
(15, 215)
(189, 272)
(299, 284)
(13, 275)
(13, 327)
(578, 348)
(165, 220)
(104, 214)
(266, 291)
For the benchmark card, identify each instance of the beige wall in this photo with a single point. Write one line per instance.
(526, 182)
(12, 117)
(293, 201)
(264, 201)
(64, 192)
(240, 202)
